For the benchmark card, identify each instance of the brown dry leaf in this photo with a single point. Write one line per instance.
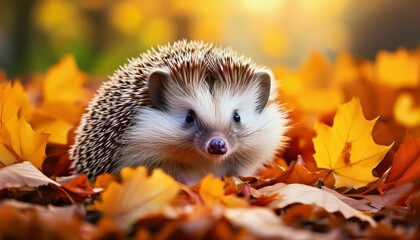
(347, 148)
(30, 221)
(265, 224)
(212, 193)
(406, 165)
(299, 193)
(137, 196)
(23, 174)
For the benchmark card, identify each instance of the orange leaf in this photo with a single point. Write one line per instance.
(80, 185)
(64, 82)
(21, 98)
(315, 79)
(406, 165)
(63, 97)
(300, 174)
(8, 104)
(20, 141)
(137, 196)
(212, 193)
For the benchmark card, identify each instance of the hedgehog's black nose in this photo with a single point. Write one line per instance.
(217, 146)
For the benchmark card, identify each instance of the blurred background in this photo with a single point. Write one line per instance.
(102, 34)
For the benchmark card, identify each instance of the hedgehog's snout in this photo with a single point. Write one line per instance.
(217, 146)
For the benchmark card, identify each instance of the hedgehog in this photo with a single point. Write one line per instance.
(190, 108)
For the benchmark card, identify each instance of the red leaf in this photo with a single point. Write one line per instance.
(80, 186)
(406, 165)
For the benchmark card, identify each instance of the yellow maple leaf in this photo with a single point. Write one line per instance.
(138, 195)
(347, 148)
(212, 193)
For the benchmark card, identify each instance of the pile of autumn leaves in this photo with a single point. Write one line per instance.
(342, 175)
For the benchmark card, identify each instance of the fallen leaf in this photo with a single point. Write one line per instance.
(137, 196)
(23, 174)
(299, 193)
(19, 140)
(347, 148)
(311, 217)
(265, 224)
(212, 192)
(80, 186)
(396, 196)
(300, 174)
(30, 221)
(406, 165)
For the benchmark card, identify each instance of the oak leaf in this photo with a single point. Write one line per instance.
(212, 193)
(347, 148)
(137, 196)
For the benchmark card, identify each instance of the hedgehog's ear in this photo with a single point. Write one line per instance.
(263, 77)
(156, 84)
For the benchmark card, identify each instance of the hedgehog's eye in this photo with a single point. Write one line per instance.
(190, 116)
(236, 117)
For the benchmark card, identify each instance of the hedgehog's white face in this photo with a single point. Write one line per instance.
(205, 127)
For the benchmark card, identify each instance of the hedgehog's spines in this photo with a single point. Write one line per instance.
(111, 112)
